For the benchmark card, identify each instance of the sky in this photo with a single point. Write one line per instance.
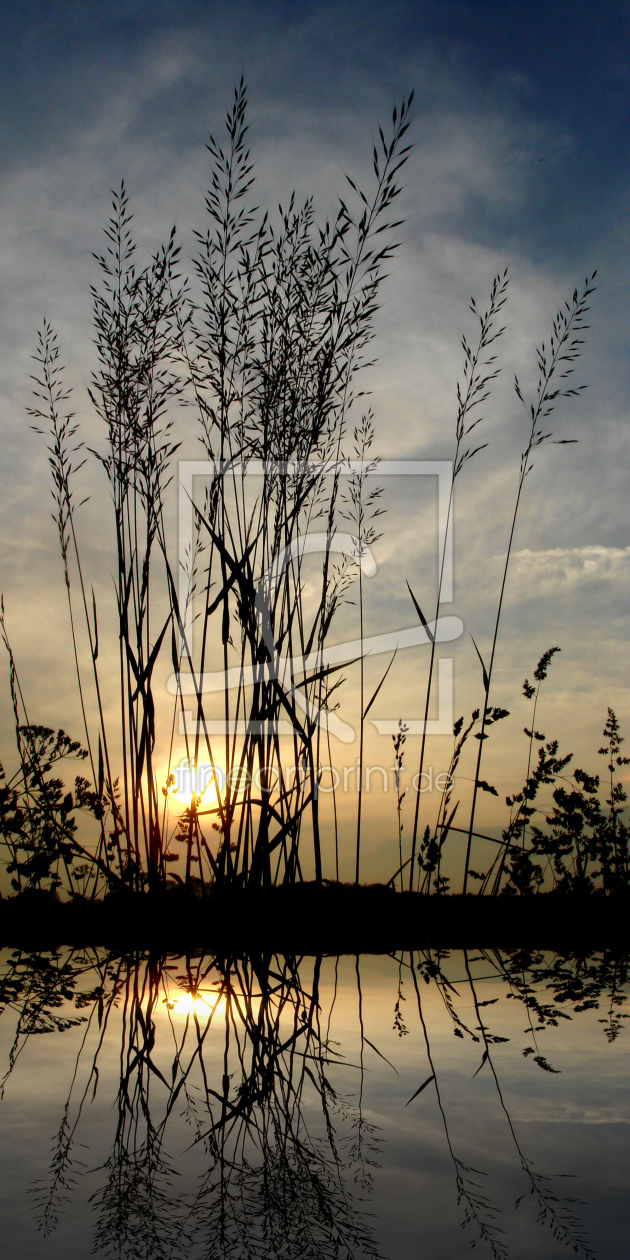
(521, 129)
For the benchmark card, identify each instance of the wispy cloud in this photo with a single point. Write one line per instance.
(477, 196)
(566, 568)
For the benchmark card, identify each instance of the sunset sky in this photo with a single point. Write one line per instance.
(521, 131)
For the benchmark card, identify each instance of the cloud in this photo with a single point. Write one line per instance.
(473, 190)
(564, 569)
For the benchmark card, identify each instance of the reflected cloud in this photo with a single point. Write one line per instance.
(245, 1118)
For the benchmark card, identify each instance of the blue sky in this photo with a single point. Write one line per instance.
(565, 67)
(521, 130)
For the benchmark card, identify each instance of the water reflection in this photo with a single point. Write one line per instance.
(244, 1122)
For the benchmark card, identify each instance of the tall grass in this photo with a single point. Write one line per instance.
(555, 366)
(262, 344)
(266, 351)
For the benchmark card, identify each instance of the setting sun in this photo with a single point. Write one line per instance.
(200, 782)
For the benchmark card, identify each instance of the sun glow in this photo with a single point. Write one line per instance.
(202, 1004)
(206, 1004)
(199, 783)
(208, 797)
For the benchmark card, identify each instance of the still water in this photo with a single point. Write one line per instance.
(302, 1108)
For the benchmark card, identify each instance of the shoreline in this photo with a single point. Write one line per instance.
(306, 919)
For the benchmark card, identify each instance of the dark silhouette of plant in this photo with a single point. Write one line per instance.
(399, 741)
(479, 372)
(362, 508)
(554, 369)
(267, 1186)
(581, 847)
(37, 814)
(249, 1052)
(265, 343)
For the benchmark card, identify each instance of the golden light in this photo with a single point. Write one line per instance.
(207, 797)
(205, 1004)
(200, 783)
(202, 1004)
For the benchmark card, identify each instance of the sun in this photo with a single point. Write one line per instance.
(208, 795)
(201, 783)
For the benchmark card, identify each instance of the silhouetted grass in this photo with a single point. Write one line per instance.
(264, 344)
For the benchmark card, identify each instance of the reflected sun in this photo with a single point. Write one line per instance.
(202, 1004)
(206, 1003)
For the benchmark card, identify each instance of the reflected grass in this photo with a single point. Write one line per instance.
(271, 1080)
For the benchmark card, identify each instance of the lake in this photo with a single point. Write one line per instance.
(305, 1108)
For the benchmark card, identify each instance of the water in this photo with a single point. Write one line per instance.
(207, 1107)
